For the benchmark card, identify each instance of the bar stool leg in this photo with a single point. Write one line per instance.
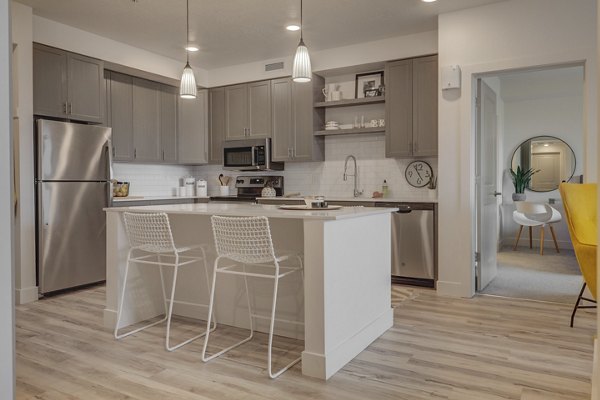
(210, 313)
(208, 284)
(120, 310)
(518, 237)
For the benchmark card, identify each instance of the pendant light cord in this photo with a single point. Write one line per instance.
(301, 23)
(187, 31)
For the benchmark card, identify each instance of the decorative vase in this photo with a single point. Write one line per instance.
(519, 196)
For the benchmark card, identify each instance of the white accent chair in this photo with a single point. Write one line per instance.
(151, 243)
(247, 242)
(536, 214)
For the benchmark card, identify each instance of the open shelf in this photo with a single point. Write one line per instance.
(350, 102)
(350, 131)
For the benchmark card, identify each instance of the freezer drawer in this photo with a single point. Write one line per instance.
(71, 234)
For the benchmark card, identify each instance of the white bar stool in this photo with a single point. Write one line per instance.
(150, 236)
(247, 241)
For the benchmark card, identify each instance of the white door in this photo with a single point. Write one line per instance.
(486, 185)
(548, 177)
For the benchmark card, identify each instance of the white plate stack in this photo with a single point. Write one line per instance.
(332, 126)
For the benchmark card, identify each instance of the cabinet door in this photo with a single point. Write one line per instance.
(307, 119)
(146, 120)
(49, 81)
(85, 88)
(398, 109)
(121, 115)
(282, 119)
(425, 106)
(217, 125)
(236, 112)
(259, 109)
(193, 129)
(168, 123)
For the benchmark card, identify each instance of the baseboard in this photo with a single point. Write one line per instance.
(596, 372)
(26, 295)
(324, 366)
(452, 289)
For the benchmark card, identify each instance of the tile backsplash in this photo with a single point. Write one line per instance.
(325, 178)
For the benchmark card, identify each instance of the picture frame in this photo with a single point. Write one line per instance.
(367, 84)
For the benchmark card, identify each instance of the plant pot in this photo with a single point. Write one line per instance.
(519, 196)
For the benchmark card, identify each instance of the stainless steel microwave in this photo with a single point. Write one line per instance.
(249, 155)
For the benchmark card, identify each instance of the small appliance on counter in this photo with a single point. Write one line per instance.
(251, 187)
(201, 188)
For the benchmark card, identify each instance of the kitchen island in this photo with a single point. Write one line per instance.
(344, 302)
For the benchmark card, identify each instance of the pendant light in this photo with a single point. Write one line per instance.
(187, 90)
(301, 70)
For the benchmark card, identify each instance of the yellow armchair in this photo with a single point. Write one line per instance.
(581, 211)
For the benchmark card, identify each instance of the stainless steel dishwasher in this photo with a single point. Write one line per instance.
(414, 247)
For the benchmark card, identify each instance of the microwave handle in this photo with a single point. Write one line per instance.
(254, 156)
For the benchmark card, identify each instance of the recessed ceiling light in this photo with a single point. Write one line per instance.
(191, 47)
(546, 145)
(292, 27)
(428, 1)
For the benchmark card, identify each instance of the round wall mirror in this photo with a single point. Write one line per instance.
(551, 157)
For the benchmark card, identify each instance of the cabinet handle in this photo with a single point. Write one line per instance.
(114, 151)
(416, 147)
(65, 107)
(70, 108)
(163, 155)
(134, 153)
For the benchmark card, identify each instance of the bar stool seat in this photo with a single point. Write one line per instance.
(247, 242)
(151, 243)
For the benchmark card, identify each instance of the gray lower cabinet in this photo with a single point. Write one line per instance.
(248, 110)
(193, 129)
(146, 121)
(294, 120)
(411, 107)
(168, 123)
(216, 124)
(67, 85)
(120, 114)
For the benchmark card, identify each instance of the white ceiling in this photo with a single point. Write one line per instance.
(232, 32)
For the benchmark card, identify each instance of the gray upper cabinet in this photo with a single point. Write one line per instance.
(67, 85)
(425, 106)
(248, 110)
(193, 129)
(259, 109)
(411, 107)
(168, 123)
(217, 125)
(236, 112)
(282, 141)
(120, 111)
(85, 88)
(294, 120)
(146, 121)
(49, 81)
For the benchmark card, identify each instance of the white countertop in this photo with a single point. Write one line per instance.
(151, 198)
(360, 199)
(249, 210)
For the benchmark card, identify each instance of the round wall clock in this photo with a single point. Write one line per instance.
(418, 173)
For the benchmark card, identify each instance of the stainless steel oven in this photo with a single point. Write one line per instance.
(249, 155)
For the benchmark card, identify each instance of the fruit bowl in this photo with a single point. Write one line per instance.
(120, 189)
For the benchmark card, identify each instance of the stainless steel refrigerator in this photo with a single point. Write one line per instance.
(73, 168)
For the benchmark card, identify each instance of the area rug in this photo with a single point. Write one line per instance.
(526, 274)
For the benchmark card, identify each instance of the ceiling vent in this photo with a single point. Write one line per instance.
(274, 66)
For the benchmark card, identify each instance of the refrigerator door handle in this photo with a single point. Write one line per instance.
(109, 172)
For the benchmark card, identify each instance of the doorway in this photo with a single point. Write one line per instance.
(531, 119)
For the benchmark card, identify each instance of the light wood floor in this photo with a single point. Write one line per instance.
(439, 348)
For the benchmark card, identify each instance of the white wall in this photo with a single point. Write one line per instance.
(66, 37)
(506, 35)
(7, 327)
(363, 53)
(25, 280)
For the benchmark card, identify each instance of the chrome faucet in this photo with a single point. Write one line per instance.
(351, 157)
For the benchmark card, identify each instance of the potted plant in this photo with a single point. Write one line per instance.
(521, 179)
